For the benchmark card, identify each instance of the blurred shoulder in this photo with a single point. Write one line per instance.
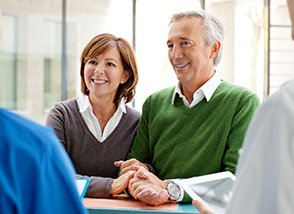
(66, 103)
(233, 88)
(133, 112)
(15, 127)
(282, 98)
(162, 94)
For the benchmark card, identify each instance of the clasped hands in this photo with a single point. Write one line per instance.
(142, 184)
(145, 186)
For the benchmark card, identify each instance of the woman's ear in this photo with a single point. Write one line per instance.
(125, 77)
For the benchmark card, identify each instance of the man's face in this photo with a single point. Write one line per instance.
(188, 53)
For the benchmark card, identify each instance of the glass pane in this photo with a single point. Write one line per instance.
(281, 46)
(242, 62)
(30, 54)
(52, 62)
(86, 19)
(152, 19)
(7, 63)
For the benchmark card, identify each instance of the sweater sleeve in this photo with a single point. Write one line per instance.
(247, 105)
(99, 187)
(56, 120)
(140, 147)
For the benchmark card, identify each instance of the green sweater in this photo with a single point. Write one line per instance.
(182, 142)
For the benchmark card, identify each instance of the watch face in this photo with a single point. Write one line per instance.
(173, 190)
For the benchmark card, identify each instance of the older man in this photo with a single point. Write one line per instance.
(196, 127)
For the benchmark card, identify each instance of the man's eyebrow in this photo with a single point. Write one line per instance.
(180, 38)
(184, 38)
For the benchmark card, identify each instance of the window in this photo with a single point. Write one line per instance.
(281, 48)
(8, 86)
(52, 62)
(32, 47)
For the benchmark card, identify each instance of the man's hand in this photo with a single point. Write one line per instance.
(121, 183)
(146, 187)
(201, 207)
(129, 165)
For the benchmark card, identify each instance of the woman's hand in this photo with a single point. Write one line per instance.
(121, 183)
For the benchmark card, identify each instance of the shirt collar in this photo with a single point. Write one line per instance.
(122, 105)
(210, 86)
(207, 89)
(84, 104)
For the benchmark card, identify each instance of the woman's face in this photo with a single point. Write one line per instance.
(104, 73)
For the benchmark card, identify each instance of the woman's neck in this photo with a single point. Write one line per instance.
(103, 109)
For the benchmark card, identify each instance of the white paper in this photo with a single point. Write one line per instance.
(82, 185)
(213, 190)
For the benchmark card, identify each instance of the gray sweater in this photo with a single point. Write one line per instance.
(89, 156)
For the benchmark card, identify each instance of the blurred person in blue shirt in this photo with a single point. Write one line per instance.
(36, 175)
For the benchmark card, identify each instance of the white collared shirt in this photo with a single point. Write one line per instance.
(206, 91)
(265, 171)
(92, 122)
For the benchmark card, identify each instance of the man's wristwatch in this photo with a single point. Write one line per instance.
(173, 190)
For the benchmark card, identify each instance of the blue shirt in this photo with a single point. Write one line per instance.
(36, 175)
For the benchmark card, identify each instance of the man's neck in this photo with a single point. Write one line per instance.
(188, 90)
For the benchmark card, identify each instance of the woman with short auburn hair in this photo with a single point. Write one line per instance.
(98, 128)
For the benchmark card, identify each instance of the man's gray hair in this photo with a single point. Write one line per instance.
(214, 29)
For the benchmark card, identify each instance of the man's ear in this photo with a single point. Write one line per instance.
(215, 49)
